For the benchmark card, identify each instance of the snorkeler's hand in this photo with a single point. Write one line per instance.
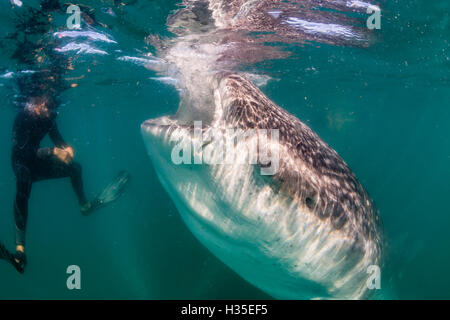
(70, 151)
(65, 155)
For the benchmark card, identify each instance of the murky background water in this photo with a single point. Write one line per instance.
(385, 109)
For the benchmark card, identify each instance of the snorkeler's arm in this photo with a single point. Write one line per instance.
(56, 137)
(62, 151)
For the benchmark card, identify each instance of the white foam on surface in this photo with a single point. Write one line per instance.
(17, 3)
(10, 74)
(361, 4)
(167, 80)
(81, 48)
(91, 35)
(7, 75)
(139, 60)
(324, 28)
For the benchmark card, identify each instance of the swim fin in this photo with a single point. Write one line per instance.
(9, 257)
(111, 193)
(4, 253)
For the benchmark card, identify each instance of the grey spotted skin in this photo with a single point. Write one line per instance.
(333, 193)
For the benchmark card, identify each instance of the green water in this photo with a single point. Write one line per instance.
(384, 109)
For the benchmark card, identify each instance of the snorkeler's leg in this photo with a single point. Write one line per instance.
(76, 178)
(55, 168)
(50, 167)
(23, 190)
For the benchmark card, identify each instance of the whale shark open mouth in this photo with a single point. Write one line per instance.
(306, 230)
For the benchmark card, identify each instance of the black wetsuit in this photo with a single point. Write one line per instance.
(32, 163)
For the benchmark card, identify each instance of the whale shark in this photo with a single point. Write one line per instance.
(309, 230)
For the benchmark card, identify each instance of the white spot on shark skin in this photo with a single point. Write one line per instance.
(275, 13)
(91, 35)
(318, 27)
(81, 48)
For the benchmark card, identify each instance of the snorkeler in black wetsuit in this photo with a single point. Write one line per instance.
(38, 101)
(32, 163)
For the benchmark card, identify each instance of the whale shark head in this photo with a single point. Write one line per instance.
(307, 230)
